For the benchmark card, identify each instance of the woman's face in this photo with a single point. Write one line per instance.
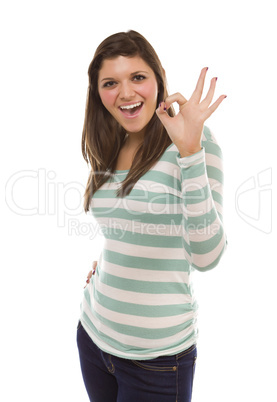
(128, 89)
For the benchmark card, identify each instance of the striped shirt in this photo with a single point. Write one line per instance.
(140, 302)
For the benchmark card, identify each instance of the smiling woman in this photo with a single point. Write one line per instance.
(156, 186)
(130, 95)
(125, 70)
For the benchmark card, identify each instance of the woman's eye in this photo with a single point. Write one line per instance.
(139, 77)
(108, 84)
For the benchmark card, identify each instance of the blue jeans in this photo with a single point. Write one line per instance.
(109, 378)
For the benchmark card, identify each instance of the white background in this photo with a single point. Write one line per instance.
(47, 241)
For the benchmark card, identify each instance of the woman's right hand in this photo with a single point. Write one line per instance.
(92, 272)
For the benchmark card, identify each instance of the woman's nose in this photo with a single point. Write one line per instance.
(126, 91)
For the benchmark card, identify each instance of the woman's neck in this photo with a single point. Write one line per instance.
(134, 140)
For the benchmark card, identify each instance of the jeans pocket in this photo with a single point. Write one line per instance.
(160, 364)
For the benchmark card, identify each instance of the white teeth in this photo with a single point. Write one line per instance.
(131, 106)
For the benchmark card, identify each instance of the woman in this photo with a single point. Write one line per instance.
(155, 189)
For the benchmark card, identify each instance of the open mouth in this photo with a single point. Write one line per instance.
(131, 110)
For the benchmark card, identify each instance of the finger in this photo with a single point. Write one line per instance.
(196, 96)
(168, 121)
(165, 119)
(209, 97)
(177, 97)
(94, 265)
(214, 106)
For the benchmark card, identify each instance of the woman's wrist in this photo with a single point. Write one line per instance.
(184, 152)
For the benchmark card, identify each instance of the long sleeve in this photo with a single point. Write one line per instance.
(202, 190)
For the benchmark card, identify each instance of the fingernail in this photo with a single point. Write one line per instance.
(216, 78)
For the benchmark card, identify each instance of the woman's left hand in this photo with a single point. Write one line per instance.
(185, 129)
(92, 272)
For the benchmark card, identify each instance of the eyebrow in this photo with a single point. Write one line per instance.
(132, 74)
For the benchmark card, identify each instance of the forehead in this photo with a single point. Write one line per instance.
(123, 65)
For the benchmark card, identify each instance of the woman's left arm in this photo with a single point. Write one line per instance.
(204, 237)
(201, 174)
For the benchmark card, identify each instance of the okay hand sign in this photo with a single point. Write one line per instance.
(185, 129)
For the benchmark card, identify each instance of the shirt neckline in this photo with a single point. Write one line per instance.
(122, 171)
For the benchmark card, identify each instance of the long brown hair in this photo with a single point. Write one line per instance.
(103, 136)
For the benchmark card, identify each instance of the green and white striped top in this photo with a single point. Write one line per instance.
(140, 303)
